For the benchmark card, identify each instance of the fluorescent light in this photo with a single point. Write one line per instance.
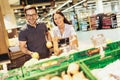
(59, 7)
(73, 5)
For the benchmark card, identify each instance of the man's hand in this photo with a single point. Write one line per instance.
(49, 44)
(35, 55)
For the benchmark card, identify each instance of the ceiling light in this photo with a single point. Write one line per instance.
(74, 5)
(59, 7)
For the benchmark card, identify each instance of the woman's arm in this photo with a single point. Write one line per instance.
(74, 41)
(73, 38)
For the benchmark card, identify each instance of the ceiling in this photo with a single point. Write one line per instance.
(14, 2)
(45, 9)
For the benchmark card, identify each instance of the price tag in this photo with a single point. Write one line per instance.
(1, 67)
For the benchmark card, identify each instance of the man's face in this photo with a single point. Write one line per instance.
(31, 16)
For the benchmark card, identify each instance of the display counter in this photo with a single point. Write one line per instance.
(55, 65)
(102, 69)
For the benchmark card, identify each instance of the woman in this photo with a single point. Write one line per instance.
(64, 30)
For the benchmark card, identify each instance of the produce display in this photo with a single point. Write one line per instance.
(45, 67)
(14, 74)
(99, 69)
(109, 72)
(56, 78)
(31, 62)
(78, 64)
(73, 69)
(72, 73)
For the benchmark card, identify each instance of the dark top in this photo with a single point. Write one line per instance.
(35, 39)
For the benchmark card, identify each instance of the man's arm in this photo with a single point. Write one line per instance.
(49, 37)
(23, 48)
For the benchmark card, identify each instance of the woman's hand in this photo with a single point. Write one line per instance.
(58, 51)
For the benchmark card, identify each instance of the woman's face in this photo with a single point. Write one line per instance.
(58, 19)
(31, 16)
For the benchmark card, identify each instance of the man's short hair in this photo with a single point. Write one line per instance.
(28, 7)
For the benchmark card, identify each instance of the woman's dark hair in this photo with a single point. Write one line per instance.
(60, 13)
(28, 7)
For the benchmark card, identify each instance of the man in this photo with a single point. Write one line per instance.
(33, 36)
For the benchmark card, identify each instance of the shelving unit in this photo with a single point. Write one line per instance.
(118, 19)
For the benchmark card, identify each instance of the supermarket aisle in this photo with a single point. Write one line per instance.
(85, 41)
